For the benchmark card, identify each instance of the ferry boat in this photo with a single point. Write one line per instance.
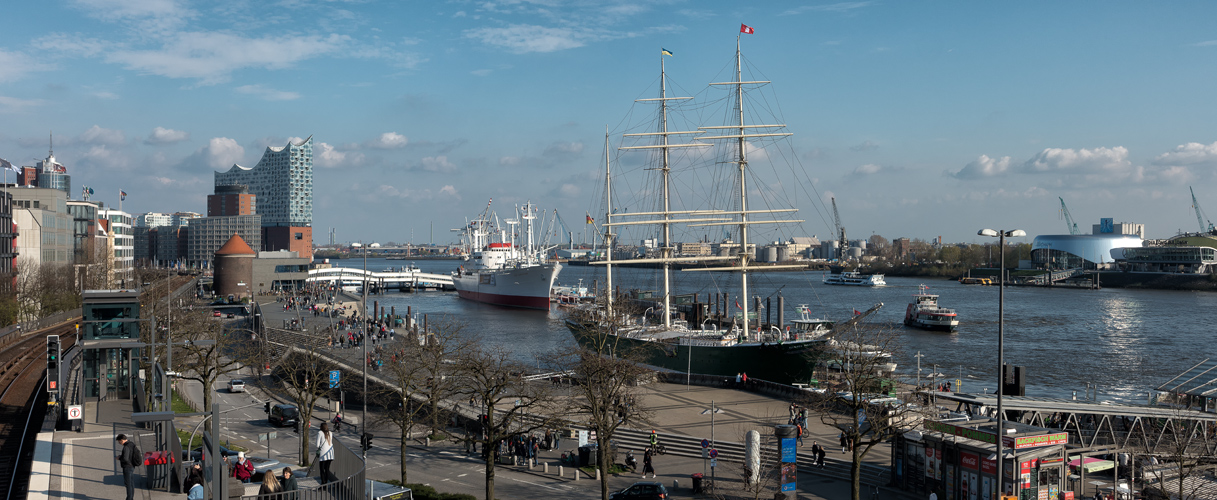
(854, 278)
(923, 312)
(724, 347)
(968, 280)
(505, 272)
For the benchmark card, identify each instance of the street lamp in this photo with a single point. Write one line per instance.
(712, 410)
(1001, 338)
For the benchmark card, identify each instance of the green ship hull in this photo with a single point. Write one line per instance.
(785, 362)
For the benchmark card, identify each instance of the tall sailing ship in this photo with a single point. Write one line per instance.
(768, 352)
(500, 270)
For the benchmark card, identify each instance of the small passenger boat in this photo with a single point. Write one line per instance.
(923, 312)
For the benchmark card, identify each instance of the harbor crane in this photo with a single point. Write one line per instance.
(843, 245)
(1202, 218)
(1072, 226)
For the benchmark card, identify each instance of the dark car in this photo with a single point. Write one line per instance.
(651, 490)
(283, 415)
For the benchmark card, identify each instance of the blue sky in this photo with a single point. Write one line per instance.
(922, 119)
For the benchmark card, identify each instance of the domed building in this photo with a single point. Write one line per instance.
(234, 269)
(1102, 247)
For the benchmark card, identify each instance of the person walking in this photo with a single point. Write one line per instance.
(243, 470)
(654, 439)
(325, 451)
(128, 458)
(647, 465)
(820, 457)
(844, 441)
(799, 437)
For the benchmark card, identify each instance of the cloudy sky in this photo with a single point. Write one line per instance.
(921, 119)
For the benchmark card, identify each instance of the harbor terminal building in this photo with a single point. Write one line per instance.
(1121, 246)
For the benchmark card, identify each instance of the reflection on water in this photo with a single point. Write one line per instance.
(1125, 341)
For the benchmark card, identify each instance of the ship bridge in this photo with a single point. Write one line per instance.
(403, 279)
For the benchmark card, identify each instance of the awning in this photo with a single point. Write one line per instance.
(1093, 464)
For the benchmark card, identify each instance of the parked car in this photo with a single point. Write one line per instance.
(231, 315)
(236, 385)
(283, 415)
(216, 314)
(649, 490)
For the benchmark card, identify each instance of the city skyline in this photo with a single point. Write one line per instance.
(922, 120)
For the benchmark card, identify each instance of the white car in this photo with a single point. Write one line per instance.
(236, 385)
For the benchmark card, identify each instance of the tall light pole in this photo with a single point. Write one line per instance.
(1001, 338)
(363, 342)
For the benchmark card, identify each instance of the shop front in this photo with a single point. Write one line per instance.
(957, 460)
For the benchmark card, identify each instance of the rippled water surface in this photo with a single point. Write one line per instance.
(1125, 341)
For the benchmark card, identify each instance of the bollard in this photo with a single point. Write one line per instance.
(675, 484)
(559, 471)
(576, 471)
(427, 441)
(597, 473)
(547, 467)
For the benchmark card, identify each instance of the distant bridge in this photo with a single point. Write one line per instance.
(404, 280)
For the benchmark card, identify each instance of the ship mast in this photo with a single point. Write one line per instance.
(608, 231)
(743, 190)
(666, 251)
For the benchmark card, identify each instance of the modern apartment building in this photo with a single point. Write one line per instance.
(120, 236)
(282, 183)
(172, 244)
(231, 200)
(8, 244)
(206, 235)
(86, 232)
(153, 219)
(182, 219)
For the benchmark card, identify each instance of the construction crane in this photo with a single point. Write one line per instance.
(1072, 226)
(843, 245)
(1201, 217)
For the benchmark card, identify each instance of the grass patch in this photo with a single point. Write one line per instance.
(180, 405)
(438, 437)
(612, 469)
(187, 443)
(424, 492)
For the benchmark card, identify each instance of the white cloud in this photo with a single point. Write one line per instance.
(437, 164)
(570, 190)
(110, 96)
(481, 72)
(156, 13)
(388, 140)
(16, 65)
(508, 161)
(1079, 160)
(983, 167)
(1192, 153)
(866, 145)
(211, 57)
(98, 135)
(564, 149)
(525, 38)
(325, 156)
(868, 169)
(71, 44)
(15, 105)
(267, 93)
(448, 190)
(220, 153)
(161, 135)
(104, 157)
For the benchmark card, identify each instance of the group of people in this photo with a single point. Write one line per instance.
(242, 470)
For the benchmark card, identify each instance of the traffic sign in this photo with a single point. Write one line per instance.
(334, 375)
(713, 462)
(75, 412)
(713, 453)
(705, 443)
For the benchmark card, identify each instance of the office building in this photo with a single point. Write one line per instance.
(182, 219)
(206, 235)
(280, 270)
(8, 251)
(171, 245)
(44, 226)
(153, 219)
(49, 174)
(282, 183)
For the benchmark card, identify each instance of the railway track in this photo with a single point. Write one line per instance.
(22, 371)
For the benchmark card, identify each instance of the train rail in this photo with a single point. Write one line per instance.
(22, 373)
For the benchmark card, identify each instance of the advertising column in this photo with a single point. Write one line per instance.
(988, 479)
(969, 475)
(786, 435)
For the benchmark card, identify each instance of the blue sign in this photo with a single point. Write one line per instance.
(788, 450)
(334, 374)
(705, 443)
(1107, 225)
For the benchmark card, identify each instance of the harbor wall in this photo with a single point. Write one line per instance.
(1158, 281)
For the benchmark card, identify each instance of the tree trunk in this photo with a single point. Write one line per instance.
(855, 475)
(405, 438)
(490, 474)
(602, 452)
(305, 418)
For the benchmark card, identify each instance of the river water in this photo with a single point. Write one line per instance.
(1123, 341)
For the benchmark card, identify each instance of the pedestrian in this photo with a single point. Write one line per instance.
(128, 458)
(844, 442)
(737, 378)
(820, 457)
(647, 465)
(270, 484)
(745, 377)
(193, 477)
(325, 451)
(800, 434)
(243, 469)
(288, 484)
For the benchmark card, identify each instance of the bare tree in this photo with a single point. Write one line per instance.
(420, 373)
(606, 382)
(510, 405)
(1174, 456)
(864, 411)
(305, 372)
(206, 363)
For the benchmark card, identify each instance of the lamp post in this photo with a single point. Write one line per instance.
(1001, 338)
(712, 410)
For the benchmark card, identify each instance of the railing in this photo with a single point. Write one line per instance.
(347, 473)
(6, 333)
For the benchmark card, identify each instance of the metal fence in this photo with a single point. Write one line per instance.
(10, 333)
(346, 481)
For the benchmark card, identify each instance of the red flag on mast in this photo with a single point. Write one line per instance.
(744, 28)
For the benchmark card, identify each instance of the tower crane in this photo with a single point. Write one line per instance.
(1072, 226)
(843, 245)
(1201, 217)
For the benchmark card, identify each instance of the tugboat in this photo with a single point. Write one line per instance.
(924, 313)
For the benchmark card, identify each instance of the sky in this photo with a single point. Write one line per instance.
(921, 119)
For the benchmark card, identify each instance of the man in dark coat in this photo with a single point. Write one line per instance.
(128, 458)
